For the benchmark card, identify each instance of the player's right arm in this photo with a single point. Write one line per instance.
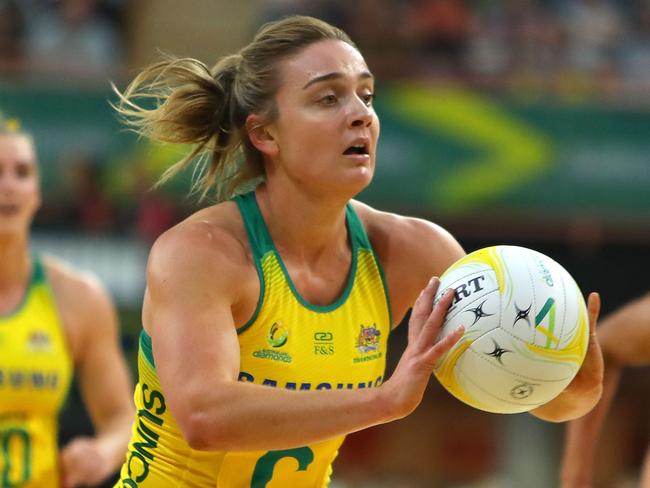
(194, 281)
(625, 341)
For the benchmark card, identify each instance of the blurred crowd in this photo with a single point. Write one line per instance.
(112, 199)
(563, 48)
(75, 38)
(539, 50)
(571, 50)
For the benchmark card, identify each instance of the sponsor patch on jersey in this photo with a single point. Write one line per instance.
(39, 341)
(278, 334)
(280, 356)
(276, 337)
(368, 339)
(323, 343)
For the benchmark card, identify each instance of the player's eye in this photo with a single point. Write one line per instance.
(368, 99)
(328, 100)
(23, 171)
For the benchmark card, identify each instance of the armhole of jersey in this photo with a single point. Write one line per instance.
(36, 277)
(360, 237)
(39, 277)
(145, 347)
(38, 273)
(259, 241)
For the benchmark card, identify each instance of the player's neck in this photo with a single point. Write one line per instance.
(16, 261)
(302, 224)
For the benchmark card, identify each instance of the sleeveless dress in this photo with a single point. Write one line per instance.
(288, 343)
(35, 374)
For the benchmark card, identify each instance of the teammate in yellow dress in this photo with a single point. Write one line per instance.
(266, 316)
(52, 320)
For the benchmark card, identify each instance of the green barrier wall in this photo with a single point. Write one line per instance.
(444, 150)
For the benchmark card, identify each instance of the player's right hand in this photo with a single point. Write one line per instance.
(407, 384)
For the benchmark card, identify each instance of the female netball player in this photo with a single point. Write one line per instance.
(266, 316)
(53, 321)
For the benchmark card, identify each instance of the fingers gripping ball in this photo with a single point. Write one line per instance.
(526, 329)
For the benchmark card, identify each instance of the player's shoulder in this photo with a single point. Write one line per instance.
(211, 239)
(408, 234)
(411, 250)
(214, 231)
(83, 304)
(69, 281)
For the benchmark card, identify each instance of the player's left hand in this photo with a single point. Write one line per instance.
(590, 376)
(584, 391)
(81, 463)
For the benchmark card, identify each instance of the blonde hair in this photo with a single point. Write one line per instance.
(10, 125)
(207, 108)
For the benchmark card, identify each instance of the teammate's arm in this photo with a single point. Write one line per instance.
(632, 322)
(105, 387)
(194, 277)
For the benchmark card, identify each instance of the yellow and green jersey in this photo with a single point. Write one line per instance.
(288, 343)
(35, 373)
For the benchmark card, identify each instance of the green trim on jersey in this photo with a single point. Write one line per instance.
(288, 344)
(37, 277)
(145, 347)
(259, 242)
(37, 364)
(38, 273)
(385, 285)
(262, 244)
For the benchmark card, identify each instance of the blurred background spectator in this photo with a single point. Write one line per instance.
(12, 27)
(516, 121)
(64, 38)
(570, 44)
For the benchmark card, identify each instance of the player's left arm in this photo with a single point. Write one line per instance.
(103, 377)
(583, 393)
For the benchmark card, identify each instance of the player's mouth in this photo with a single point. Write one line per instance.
(8, 209)
(358, 150)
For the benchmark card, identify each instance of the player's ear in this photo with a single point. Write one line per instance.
(261, 135)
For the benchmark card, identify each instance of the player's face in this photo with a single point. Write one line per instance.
(19, 185)
(327, 129)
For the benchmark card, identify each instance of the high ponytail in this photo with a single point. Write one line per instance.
(191, 105)
(207, 108)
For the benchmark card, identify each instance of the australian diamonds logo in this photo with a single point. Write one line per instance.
(277, 336)
(368, 342)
